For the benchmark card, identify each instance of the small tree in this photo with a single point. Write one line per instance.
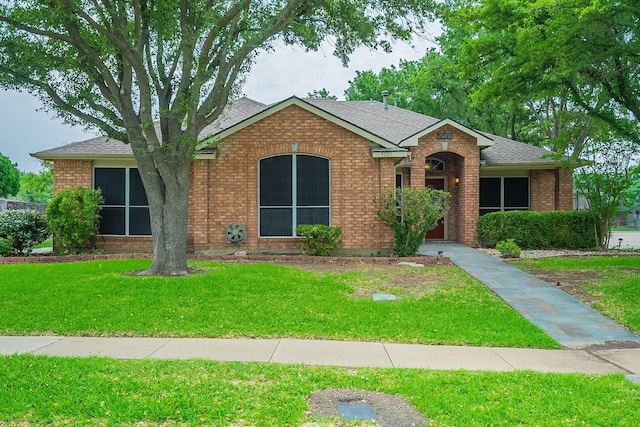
(23, 229)
(9, 177)
(604, 181)
(410, 213)
(73, 216)
(36, 187)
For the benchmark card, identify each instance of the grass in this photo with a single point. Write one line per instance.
(40, 390)
(616, 288)
(624, 228)
(258, 300)
(46, 244)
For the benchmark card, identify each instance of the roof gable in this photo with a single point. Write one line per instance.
(307, 105)
(412, 141)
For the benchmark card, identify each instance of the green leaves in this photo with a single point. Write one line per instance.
(410, 213)
(538, 48)
(22, 229)
(73, 217)
(9, 177)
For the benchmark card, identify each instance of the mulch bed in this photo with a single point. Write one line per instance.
(277, 258)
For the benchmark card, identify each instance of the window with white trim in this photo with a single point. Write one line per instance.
(125, 211)
(294, 189)
(504, 194)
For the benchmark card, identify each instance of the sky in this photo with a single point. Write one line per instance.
(275, 76)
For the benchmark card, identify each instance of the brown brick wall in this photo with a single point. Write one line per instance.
(233, 182)
(551, 189)
(542, 184)
(72, 173)
(564, 189)
(462, 159)
(225, 190)
(124, 243)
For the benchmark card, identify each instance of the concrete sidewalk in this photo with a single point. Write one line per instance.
(335, 353)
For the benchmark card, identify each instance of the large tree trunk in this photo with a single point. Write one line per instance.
(167, 187)
(169, 228)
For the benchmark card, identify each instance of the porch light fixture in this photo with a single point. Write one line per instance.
(456, 180)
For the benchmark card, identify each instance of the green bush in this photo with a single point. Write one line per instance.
(5, 247)
(23, 229)
(319, 239)
(73, 216)
(539, 230)
(508, 249)
(410, 213)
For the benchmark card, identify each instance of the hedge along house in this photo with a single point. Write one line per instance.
(263, 169)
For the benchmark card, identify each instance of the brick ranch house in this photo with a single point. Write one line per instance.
(270, 167)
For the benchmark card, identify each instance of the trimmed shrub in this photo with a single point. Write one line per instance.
(508, 249)
(23, 229)
(319, 239)
(73, 216)
(539, 230)
(5, 247)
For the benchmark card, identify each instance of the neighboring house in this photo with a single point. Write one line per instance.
(271, 167)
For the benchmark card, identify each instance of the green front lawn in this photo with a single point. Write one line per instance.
(613, 282)
(40, 390)
(436, 305)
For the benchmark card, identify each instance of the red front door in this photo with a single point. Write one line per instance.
(438, 232)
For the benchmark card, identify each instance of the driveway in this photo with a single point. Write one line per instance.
(630, 239)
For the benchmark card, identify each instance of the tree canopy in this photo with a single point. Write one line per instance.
(154, 73)
(583, 50)
(9, 177)
(36, 187)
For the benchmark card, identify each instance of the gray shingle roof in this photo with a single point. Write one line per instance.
(393, 125)
(507, 151)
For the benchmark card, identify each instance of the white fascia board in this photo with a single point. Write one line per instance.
(412, 141)
(305, 106)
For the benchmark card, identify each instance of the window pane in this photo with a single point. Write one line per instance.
(275, 181)
(490, 192)
(312, 181)
(137, 195)
(486, 211)
(139, 222)
(313, 216)
(516, 193)
(276, 222)
(111, 181)
(112, 221)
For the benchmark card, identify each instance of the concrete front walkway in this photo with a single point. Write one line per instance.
(569, 321)
(335, 353)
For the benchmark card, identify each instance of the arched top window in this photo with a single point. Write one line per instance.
(293, 190)
(433, 165)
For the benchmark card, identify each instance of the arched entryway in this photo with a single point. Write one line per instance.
(443, 171)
